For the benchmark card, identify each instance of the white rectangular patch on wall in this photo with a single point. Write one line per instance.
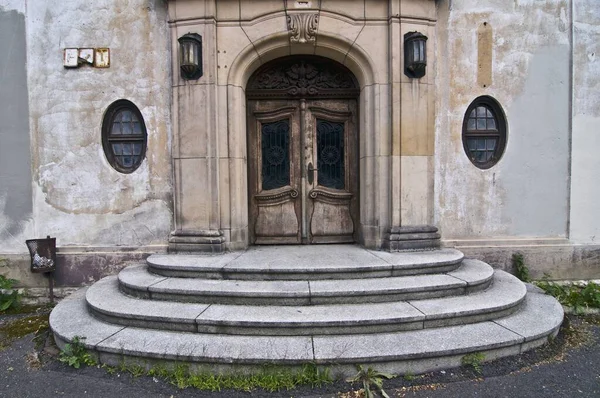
(102, 59)
(70, 57)
(86, 55)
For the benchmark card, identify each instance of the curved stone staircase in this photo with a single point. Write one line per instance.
(334, 305)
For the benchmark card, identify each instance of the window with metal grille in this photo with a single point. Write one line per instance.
(124, 136)
(330, 154)
(484, 132)
(275, 146)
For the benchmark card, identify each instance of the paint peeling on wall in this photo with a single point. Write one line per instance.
(77, 196)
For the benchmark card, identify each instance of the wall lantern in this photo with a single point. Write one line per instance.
(190, 56)
(415, 54)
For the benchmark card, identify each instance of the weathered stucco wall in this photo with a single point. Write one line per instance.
(15, 161)
(77, 196)
(585, 169)
(526, 195)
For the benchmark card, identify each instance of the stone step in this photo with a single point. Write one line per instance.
(471, 276)
(402, 352)
(299, 263)
(500, 299)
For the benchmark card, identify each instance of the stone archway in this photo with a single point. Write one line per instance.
(371, 217)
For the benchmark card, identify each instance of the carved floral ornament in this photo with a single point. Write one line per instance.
(302, 76)
(302, 27)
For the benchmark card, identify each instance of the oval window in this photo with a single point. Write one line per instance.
(484, 132)
(124, 136)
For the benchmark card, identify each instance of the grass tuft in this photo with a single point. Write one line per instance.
(270, 378)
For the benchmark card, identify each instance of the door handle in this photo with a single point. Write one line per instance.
(310, 173)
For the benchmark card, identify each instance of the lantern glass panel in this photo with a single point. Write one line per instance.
(189, 54)
(415, 46)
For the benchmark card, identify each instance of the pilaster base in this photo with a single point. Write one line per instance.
(411, 237)
(211, 241)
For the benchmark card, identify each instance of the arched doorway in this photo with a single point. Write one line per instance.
(302, 121)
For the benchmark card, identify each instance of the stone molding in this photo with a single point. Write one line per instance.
(196, 241)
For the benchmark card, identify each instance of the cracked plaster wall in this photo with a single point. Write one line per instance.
(77, 196)
(527, 193)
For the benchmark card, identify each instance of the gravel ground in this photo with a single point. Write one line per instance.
(568, 367)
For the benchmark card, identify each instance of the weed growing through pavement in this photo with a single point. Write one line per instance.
(75, 354)
(521, 270)
(473, 361)
(371, 379)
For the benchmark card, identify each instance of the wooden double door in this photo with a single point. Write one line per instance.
(303, 171)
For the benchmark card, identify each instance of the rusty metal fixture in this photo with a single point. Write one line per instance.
(43, 259)
(43, 254)
(415, 54)
(190, 56)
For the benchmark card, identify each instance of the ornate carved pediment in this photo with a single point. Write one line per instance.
(302, 27)
(302, 76)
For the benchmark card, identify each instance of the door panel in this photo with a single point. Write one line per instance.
(303, 170)
(333, 201)
(274, 172)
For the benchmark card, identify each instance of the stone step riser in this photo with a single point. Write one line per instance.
(338, 368)
(381, 297)
(306, 275)
(305, 263)
(296, 329)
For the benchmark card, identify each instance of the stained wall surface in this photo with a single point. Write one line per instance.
(527, 194)
(74, 194)
(15, 161)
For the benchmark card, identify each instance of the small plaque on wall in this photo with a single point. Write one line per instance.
(97, 57)
(86, 55)
(102, 59)
(70, 57)
(484, 55)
